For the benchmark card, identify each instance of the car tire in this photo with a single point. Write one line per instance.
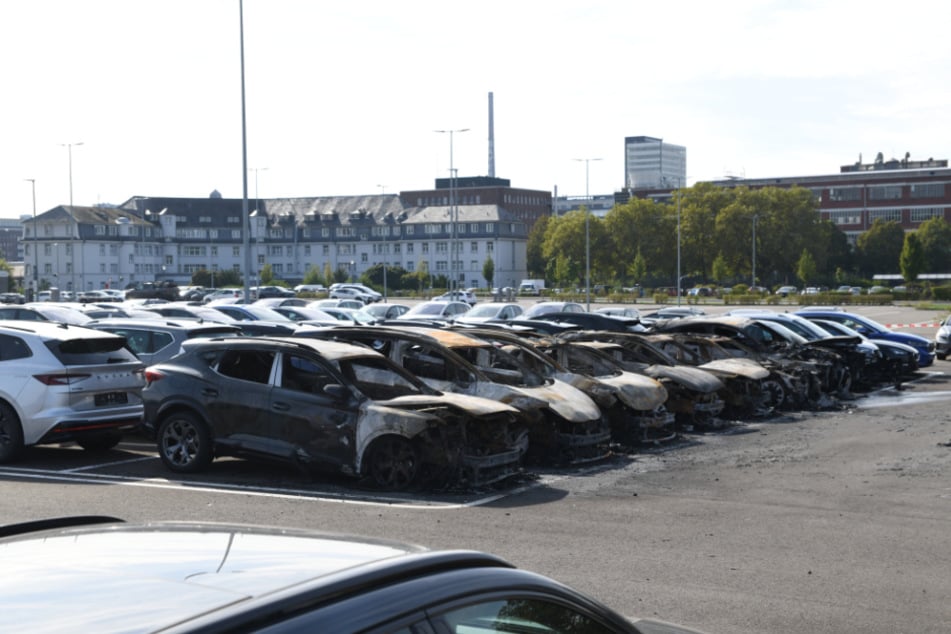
(100, 442)
(184, 443)
(392, 463)
(11, 434)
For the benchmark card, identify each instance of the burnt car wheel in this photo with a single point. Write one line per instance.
(100, 442)
(11, 434)
(774, 395)
(184, 443)
(392, 463)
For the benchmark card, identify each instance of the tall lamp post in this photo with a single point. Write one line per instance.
(385, 229)
(453, 211)
(69, 150)
(587, 233)
(36, 245)
(755, 218)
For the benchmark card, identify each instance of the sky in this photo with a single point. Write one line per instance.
(103, 100)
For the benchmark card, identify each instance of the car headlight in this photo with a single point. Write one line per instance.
(943, 334)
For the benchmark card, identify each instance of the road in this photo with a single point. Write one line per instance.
(835, 521)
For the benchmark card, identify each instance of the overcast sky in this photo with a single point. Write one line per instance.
(343, 98)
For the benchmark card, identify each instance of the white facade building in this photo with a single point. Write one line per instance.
(649, 163)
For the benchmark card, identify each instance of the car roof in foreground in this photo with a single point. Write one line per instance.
(122, 577)
(332, 350)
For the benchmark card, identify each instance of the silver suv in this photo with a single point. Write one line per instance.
(62, 383)
(158, 340)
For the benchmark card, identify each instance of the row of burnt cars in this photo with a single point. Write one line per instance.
(430, 405)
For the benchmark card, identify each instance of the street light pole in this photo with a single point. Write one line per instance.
(453, 211)
(587, 234)
(36, 245)
(69, 150)
(755, 218)
(385, 229)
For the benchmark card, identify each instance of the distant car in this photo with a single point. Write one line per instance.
(69, 384)
(539, 309)
(672, 312)
(181, 310)
(220, 293)
(875, 331)
(310, 288)
(492, 311)
(223, 577)
(620, 311)
(382, 312)
(45, 311)
(458, 296)
(261, 292)
(274, 302)
(158, 340)
(12, 298)
(943, 339)
(436, 310)
(335, 303)
(786, 291)
(356, 291)
(306, 314)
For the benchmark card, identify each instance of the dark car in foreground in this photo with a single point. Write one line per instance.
(175, 577)
(324, 406)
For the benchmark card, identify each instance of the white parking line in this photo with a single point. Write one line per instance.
(277, 493)
(108, 464)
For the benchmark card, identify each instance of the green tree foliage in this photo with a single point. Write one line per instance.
(314, 276)
(267, 274)
(935, 237)
(912, 259)
(638, 268)
(564, 248)
(721, 270)
(806, 268)
(534, 249)
(646, 227)
(879, 248)
(488, 270)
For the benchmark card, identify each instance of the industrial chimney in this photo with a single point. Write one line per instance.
(491, 138)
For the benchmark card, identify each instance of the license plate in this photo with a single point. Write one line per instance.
(112, 398)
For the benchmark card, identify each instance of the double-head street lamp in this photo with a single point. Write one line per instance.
(453, 211)
(587, 233)
(36, 253)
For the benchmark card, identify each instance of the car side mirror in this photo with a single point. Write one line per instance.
(336, 391)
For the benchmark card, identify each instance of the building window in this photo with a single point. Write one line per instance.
(326, 250)
(236, 252)
(489, 247)
(425, 247)
(473, 247)
(884, 192)
(409, 248)
(926, 213)
(927, 190)
(851, 217)
(409, 230)
(236, 234)
(364, 258)
(489, 227)
(410, 266)
(886, 215)
(440, 247)
(442, 265)
(843, 194)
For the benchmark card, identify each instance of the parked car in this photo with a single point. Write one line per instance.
(180, 310)
(310, 288)
(382, 312)
(323, 406)
(942, 339)
(490, 312)
(363, 294)
(898, 360)
(875, 331)
(212, 577)
(457, 296)
(539, 309)
(786, 291)
(307, 315)
(335, 303)
(157, 340)
(45, 311)
(222, 293)
(435, 310)
(262, 292)
(70, 384)
(619, 311)
(12, 298)
(565, 425)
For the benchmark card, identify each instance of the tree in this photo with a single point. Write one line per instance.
(806, 267)
(314, 276)
(721, 270)
(488, 270)
(879, 248)
(534, 250)
(912, 259)
(934, 235)
(267, 274)
(638, 268)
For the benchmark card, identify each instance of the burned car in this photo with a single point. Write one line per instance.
(633, 403)
(693, 394)
(565, 425)
(751, 388)
(324, 406)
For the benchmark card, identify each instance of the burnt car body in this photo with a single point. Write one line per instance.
(751, 388)
(693, 394)
(634, 404)
(825, 369)
(324, 406)
(565, 425)
(899, 361)
(591, 321)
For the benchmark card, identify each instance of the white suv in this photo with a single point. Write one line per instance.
(65, 384)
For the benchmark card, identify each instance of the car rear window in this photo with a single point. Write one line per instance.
(91, 351)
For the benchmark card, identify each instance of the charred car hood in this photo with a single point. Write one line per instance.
(693, 378)
(475, 405)
(636, 391)
(737, 367)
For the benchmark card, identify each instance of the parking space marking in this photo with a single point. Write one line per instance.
(109, 464)
(269, 492)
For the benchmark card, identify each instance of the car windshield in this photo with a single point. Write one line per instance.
(427, 308)
(265, 314)
(378, 379)
(486, 310)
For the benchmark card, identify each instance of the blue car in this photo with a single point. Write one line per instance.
(875, 331)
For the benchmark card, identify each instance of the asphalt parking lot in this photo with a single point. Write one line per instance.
(831, 521)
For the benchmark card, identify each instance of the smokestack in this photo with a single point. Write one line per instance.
(491, 139)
